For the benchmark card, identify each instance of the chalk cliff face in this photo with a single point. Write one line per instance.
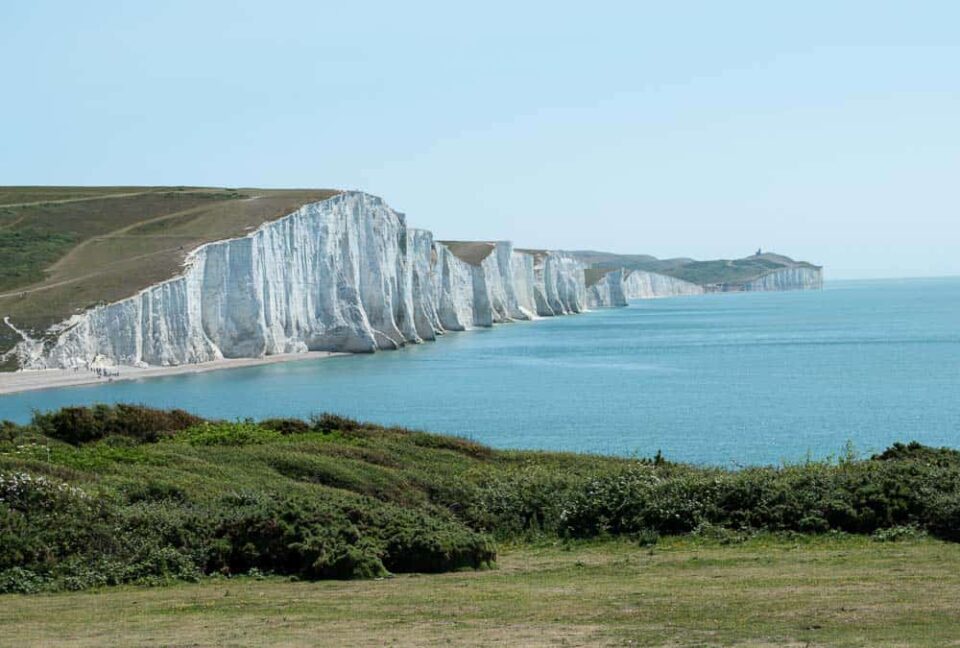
(345, 274)
(640, 284)
(797, 278)
(564, 288)
(608, 291)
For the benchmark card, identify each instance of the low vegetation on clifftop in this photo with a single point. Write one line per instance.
(126, 494)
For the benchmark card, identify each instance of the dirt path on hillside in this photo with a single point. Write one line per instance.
(117, 233)
(97, 197)
(67, 282)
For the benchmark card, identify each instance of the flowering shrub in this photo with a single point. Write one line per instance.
(24, 491)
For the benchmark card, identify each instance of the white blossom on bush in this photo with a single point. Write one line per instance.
(20, 486)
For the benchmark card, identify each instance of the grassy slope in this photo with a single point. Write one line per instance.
(68, 248)
(684, 592)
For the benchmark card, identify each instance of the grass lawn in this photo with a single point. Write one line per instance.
(821, 591)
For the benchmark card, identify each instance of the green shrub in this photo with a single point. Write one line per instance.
(528, 500)
(914, 451)
(327, 422)
(43, 521)
(16, 580)
(294, 537)
(155, 491)
(78, 425)
(339, 499)
(418, 543)
(8, 431)
(228, 434)
(286, 425)
(617, 502)
(944, 516)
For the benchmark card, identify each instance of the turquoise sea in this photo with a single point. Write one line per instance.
(731, 379)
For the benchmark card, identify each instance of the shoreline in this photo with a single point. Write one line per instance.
(40, 379)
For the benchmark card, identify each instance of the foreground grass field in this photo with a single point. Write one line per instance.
(335, 532)
(823, 591)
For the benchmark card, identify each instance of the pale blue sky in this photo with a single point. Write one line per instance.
(828, 131)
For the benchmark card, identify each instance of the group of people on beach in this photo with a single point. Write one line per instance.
(102, 372)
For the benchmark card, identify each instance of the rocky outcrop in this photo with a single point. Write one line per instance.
(345, 274)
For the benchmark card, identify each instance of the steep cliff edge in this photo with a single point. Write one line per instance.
(340, 273)
(640, 284)
(66, 249)
(343, 274)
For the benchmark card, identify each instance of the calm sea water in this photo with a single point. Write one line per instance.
(721, 379)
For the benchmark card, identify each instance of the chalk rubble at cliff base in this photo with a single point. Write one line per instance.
(345, 274)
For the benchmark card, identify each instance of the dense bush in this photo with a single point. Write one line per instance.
(53, 536)
(527, 500)
(127, 494)
(290, 536)
(78, 425)
(855, 498)
(328, 422)
(286, 425)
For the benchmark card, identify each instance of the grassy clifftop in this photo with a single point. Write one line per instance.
(116, 495)
(69, 248)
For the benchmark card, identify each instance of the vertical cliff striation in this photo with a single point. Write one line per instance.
(640, 284)
(347, 274)
(606, 288)
(794, 278)
(344, 274)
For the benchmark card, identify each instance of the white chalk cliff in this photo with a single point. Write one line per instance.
(607, 290)
(795, 278)
(640, 284)
(344, 274)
